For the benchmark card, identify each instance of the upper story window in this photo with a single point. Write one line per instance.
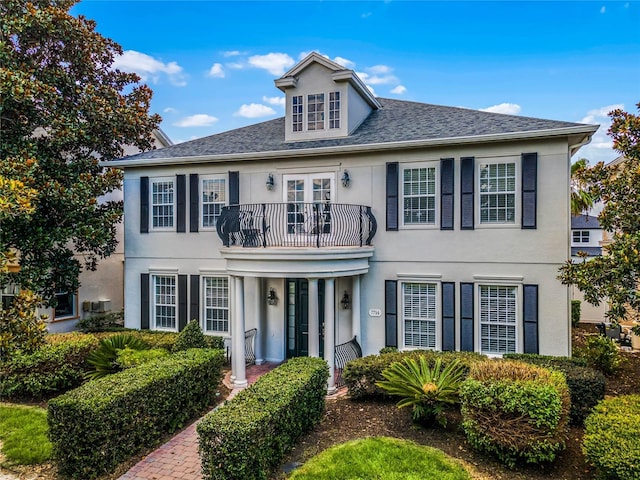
(165, 302)
(498, 319)
(213, 198)
(419, 195)
(419, 313)
(162, 203)
(315, 111)
(296, 113)
(498, 193)
(580, 236)
(334, 110)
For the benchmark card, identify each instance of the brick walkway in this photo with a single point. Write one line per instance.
(178, 459)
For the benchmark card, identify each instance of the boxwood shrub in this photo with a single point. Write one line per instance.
(515, 411)
(360, 375)
(247, 438)
(103, 422)
(49, 371)
(611, 436)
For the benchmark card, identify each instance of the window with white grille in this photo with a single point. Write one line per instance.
(334, 110)
(296, 113)
(213, 199)
(419, 196)
(498, 319)
(162, 200)
(419, 314)
(164, 302)
(315, 111)
(498, 193)
(216, 304)
(580, 236)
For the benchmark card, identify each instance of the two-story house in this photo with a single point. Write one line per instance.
(400, 223)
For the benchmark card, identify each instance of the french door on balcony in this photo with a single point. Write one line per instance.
(308, 198)
(298, 317)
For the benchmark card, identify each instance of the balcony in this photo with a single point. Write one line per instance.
(316, 225)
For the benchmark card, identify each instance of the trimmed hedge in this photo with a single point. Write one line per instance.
(362, 374)
(515, 411)
(49, 371)
(247, 438)
(98, 425)
(586, 385)
(611, 436)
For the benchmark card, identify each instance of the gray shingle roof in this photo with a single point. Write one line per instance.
(590, 251)
(585, 222)
(396, 121)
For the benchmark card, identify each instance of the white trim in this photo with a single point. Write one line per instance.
(510, 279)
(436, 195)
(152, 302)
(519, 341)
(203, 307)
(517, 193)
(163, 271)
(419, 277)
(437, 320)
(155, 180)
(201, 180)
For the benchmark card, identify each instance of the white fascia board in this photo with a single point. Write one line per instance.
(351, 149)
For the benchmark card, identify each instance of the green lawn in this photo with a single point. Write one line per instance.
(23, 431)
(381, 458)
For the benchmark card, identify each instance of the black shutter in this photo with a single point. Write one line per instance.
(194, 202)
(392, 196)
(144, 204)
(390, 313)
(182, 302)
(194, 287)
(144, 301)
(466, 317)
(529, 189)
(181, 194)
(446, 194)
(234, 188)
(448, 316)
(530, 314)
(466, 193)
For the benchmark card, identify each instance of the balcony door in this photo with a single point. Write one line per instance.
(308, 198)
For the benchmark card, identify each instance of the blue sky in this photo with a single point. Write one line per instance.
(211, 64)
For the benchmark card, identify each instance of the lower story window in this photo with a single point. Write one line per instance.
(65, 306)
(216, 304)
(164, 302)
(7, 295)
(498, 307)
(419, 314)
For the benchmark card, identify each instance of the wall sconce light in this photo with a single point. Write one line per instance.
(346, 301)
(272, 297)
(346, 179)
(270, 182)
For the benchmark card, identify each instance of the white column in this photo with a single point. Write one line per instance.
(260, 312)
(237, 351)
(232, 326)
(355, 308)
(329, 331)
(314, 319)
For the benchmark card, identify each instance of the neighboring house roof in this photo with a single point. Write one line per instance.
(590, 251)
(585, 222)
(617, 161)
(398, 124)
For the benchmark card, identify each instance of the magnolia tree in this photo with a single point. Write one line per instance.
(615, 275)
(62, 108)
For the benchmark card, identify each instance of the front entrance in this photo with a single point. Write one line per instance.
(297, 317)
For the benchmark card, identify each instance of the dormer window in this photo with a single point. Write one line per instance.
(315, 107)
(296, 113)
(334, 110)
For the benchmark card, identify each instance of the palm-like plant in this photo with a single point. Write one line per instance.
(427, 390)
(581, 199)
(104, 358)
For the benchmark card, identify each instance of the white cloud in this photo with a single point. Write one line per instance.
(231, 53)
(280, 101)
(601, 114)
(366, 15)
(235, 65)
(149, 68)
(399, 90)
(506, 108)
(170, 110)
(344, 62)
(601, 147)
(254, 110)
(377, 79)
(373, 92)
(274, 63)
(603, 9)
(379, 69)
(198, 120)
(216, 71)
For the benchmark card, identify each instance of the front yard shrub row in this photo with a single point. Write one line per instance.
(601, 353)
(362, 374)
(586, 385)
(103, 422)
(611, 438)
(515, 411)
(247, 438)
(53, 368)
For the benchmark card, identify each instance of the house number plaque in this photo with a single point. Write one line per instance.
(375, 312)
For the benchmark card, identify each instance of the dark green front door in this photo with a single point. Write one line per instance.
(297, 316)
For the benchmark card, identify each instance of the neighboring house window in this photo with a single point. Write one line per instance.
(498, 193)
(498, 307)
(66, 306)
(165, 302)
(162, 200)
(315, 111)
(216, 304)
(7, 295)
(296, 113)
(334, 110)
(419, 196)
(213, 199)
(419, 314)
(580, 236)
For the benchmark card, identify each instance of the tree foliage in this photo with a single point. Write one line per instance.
(615, 275)
(581, 200)
(62, 108)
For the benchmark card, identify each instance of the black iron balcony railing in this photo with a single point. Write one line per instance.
(296, 225)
